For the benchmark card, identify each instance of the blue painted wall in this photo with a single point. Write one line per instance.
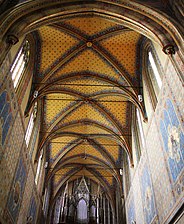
(173, 139)
(5, 116)
(16, 193)
(32, 210)
(147, 195)
(131, 211)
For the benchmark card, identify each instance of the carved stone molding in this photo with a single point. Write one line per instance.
(169, 49)
(12, 39)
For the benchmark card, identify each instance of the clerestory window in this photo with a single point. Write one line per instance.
(39, 167)
(31, 124)
(20, 63)
(157, 78)
(140, 129)
(29, 129)
(152, 78)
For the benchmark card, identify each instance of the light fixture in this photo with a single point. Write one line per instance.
(84, 156)
(121, 172)
(140, 98)
(46, 165)
(35, 94)
(29, 220)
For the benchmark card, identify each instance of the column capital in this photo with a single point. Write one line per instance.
(12, 39)
(169, 49)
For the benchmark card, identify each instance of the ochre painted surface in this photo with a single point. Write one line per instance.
(87, 70)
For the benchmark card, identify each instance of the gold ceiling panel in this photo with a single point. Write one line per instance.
(106, 141)
(86, 111)
(111, 146)
(59, 174)
(92, 151)
(84, 149)
(85, 129)
(88, 86)
(116, 106)
(83, 72)
(56, 145)
(106, 175)
(123, 48)
(54, 44)
(113, 151)
(55, 148)
(86, 161)
(90, 25)
(88, 61)
(55, 104)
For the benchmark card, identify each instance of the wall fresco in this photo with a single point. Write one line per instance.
(173, 139)
(16, 193)
(131, 210)
(164, 198)
(5, 117)
(15, 197)
(4, 70)
(147, 195)
(31, 217)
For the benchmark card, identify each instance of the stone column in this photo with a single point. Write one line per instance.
(97, 211)
(114, 220)
(101, 209)
(117, 208)
(66, 208)
(104, 209)
(62, 207)
(109, 214)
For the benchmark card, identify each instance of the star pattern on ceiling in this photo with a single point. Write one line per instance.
(88, 81)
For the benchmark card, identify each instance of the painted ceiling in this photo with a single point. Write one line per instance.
(89, 80)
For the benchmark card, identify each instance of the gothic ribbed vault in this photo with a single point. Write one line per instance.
(88, 78)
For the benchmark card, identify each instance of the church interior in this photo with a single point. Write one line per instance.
(91, 112)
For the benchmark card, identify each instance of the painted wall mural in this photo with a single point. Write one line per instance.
(5, 67)
(5, 117)
(147, 195)
(173, 139)
(31, 217)
(16, 193)
(131, 210)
